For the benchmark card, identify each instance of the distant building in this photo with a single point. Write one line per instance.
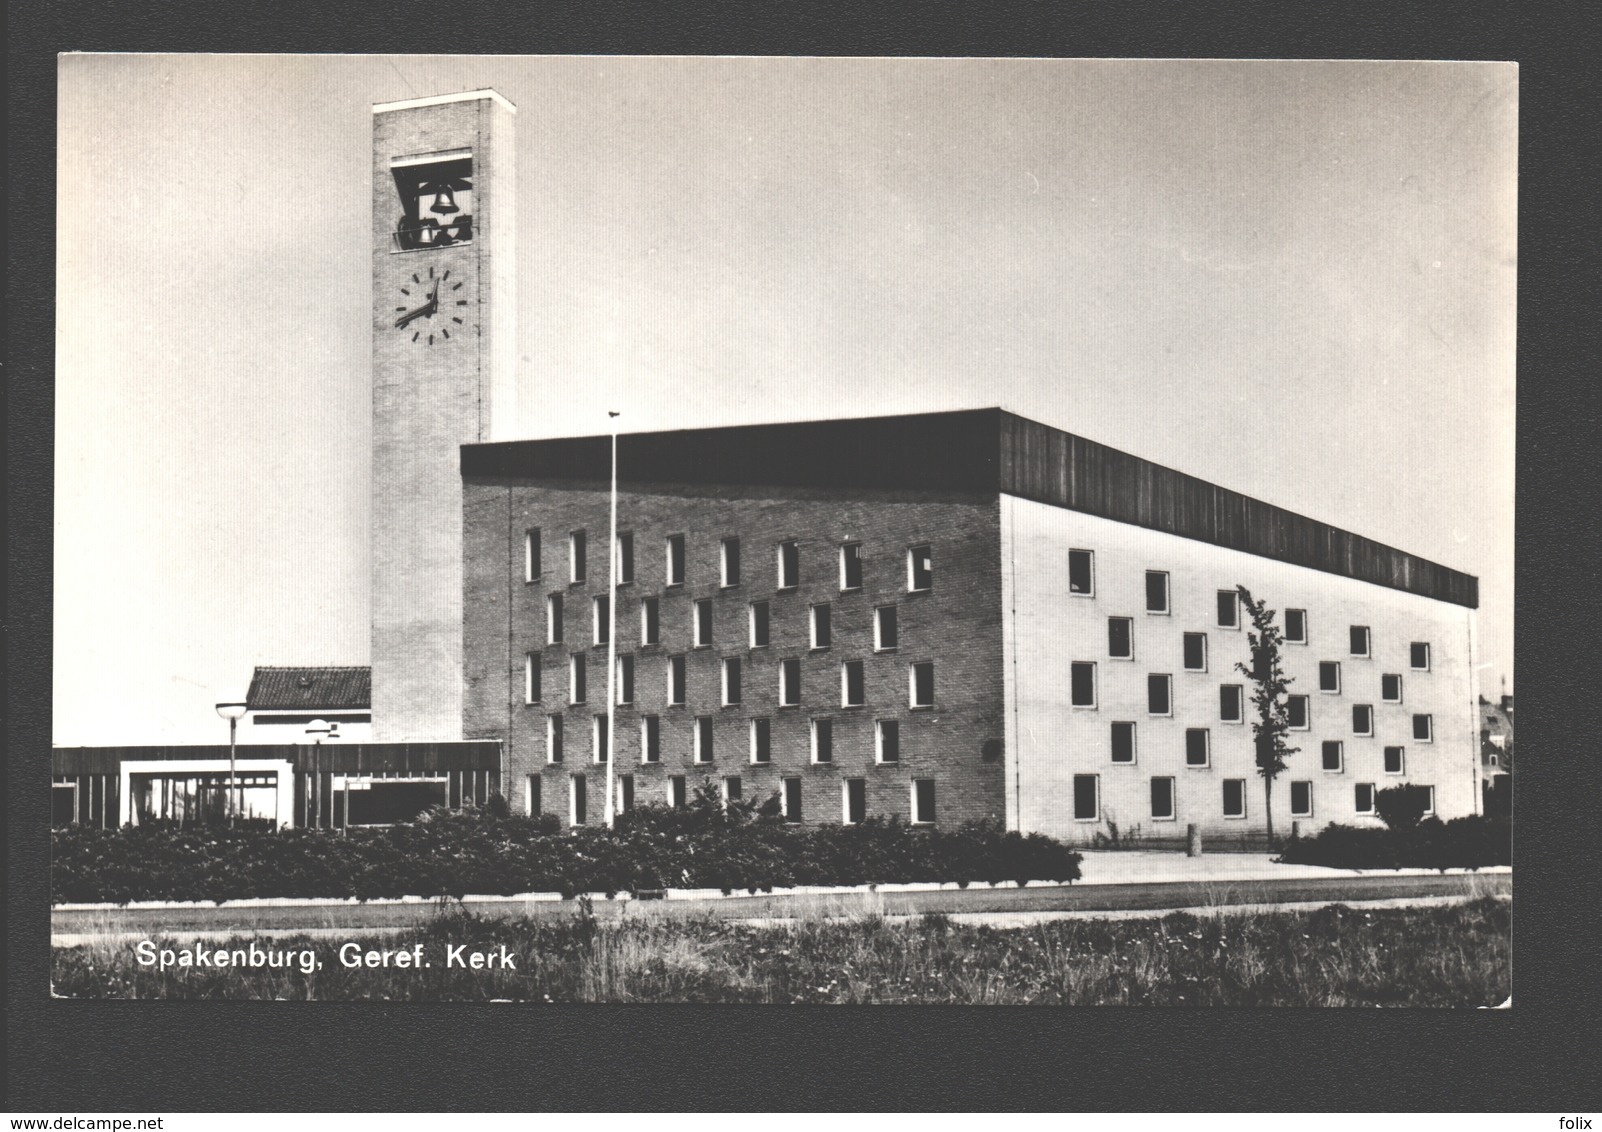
(1496, 736)
(283, 702)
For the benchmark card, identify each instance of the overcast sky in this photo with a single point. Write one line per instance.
(1293, 279)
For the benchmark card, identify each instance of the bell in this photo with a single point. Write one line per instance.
(444, 202)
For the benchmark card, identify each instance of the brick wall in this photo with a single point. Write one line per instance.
(957, 625)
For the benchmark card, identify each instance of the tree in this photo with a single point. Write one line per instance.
(1269, 696)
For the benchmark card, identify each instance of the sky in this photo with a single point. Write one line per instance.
(1295, 280)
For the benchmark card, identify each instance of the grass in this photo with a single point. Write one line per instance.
(1443, 955)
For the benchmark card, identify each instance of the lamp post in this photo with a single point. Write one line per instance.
(611, 643)
(319, 729)
(232, 713)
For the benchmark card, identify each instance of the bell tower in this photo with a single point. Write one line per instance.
(444, 361)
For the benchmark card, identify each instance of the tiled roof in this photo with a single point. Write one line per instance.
(315, 689)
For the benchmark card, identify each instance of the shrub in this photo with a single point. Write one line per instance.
(1402, 807)
(457, 852)
(1472, 842)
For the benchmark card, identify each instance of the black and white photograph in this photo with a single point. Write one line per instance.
(712, 529)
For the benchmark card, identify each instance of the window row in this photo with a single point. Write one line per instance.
(759, 623)
(853, 797)
(853, 681)
(787, 561)
(1082, 583)
(703, 748)
(1198, 750)
(1087, 798)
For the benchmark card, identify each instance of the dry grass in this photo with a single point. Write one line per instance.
(1455, 955)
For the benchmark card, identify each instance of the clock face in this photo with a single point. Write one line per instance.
(432, 307)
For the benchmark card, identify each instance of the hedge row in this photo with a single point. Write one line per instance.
(455, 853)
(1463, 843)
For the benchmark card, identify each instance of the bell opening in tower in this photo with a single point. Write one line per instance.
(436, 199)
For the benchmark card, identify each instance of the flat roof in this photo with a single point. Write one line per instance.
(439, 99)
(982, 450)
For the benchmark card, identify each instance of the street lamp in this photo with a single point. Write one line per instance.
(320, 729)
(232, 713)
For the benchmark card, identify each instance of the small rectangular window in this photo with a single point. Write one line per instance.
(1395, 760)
(601, 739)
(1198, 749)
(1158, 700)
(553, 619)
(676, 791)
(1082, 684)
(531, 678)
(1228, 609)
(1234, 797)
(1301, 799)
(920, 569)
(625, 792)
(886, 628)
(759, 624)
(625, 557)
(1156, 591)
(531, 554)
(853, 685)
(1297, 713)
(1360, 640)
(675, 560)
(1424, 728)
(703, 739)
(1120, 638)
(578, 800)
(625, 678)
(1362, 719)
(1429, 801)
(822, 631)
(1082, 573)
(650, 739)
(702, 622)
(792, 799)
(1419, 656)
(761, 741)
(923, 690)
(887, 741)
(923, 801)
(1123, 742)
(650, 621)
(578, 678)
(531, 796)
(601, 615)
(854, 795)
(1162, 799)
(1296, 626)
(1195, 652)
(1231, 703)
(851, 566)
(733, 790)
(731, 681)
(1391, 688)
(731, 562)
(790, 682)
(676, 680)
(554, 738)
(789, 565)
(823, 740)
(1087, 797)
(1333, 757)
(578, 555)
(1363, 798)
(1329, 676)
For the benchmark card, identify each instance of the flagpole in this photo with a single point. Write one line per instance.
(611, 644)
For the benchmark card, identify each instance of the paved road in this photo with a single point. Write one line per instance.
(139, 923)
